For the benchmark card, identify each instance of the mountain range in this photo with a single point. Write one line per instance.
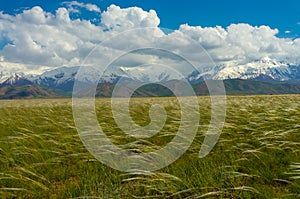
(263, 76)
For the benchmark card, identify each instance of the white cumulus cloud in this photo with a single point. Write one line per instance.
(36, 39)
(121, 19)
(243, 42)
(74, 5)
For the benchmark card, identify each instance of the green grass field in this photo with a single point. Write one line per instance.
(257, 156)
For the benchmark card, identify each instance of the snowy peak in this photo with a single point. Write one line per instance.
(13, 79)
(267, 61)
(57, 76)
(265, 69)
(62, 78)
(149, 74)
(270, 68)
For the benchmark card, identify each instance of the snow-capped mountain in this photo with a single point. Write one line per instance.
(149, 74)
(62, 77)
(264, 69)
(205, 73)
(8, 78)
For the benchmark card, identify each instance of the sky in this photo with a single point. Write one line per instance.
(283, 15)
(38, 34)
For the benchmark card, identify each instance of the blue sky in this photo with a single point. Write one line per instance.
(36, 35)
(283, 15)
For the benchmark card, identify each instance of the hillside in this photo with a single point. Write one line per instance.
(233, 87)
(25, 91)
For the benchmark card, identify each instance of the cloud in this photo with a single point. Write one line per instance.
(74, 5)
(121, 19)
(35, 39)
(242, 42)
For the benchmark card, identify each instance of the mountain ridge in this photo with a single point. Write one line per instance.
(232, 87)
(265, 69)
(263, 76)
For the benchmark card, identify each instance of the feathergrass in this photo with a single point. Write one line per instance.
(257, 156)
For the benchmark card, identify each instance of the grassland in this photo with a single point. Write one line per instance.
(257, 156)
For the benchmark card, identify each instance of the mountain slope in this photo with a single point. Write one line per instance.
(264, 76)
(232, 87)
(249, 87)
(264, 69)
(61, 78)
(25, 91)
(16, 79)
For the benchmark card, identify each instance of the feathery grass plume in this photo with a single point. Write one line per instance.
(257, 156)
